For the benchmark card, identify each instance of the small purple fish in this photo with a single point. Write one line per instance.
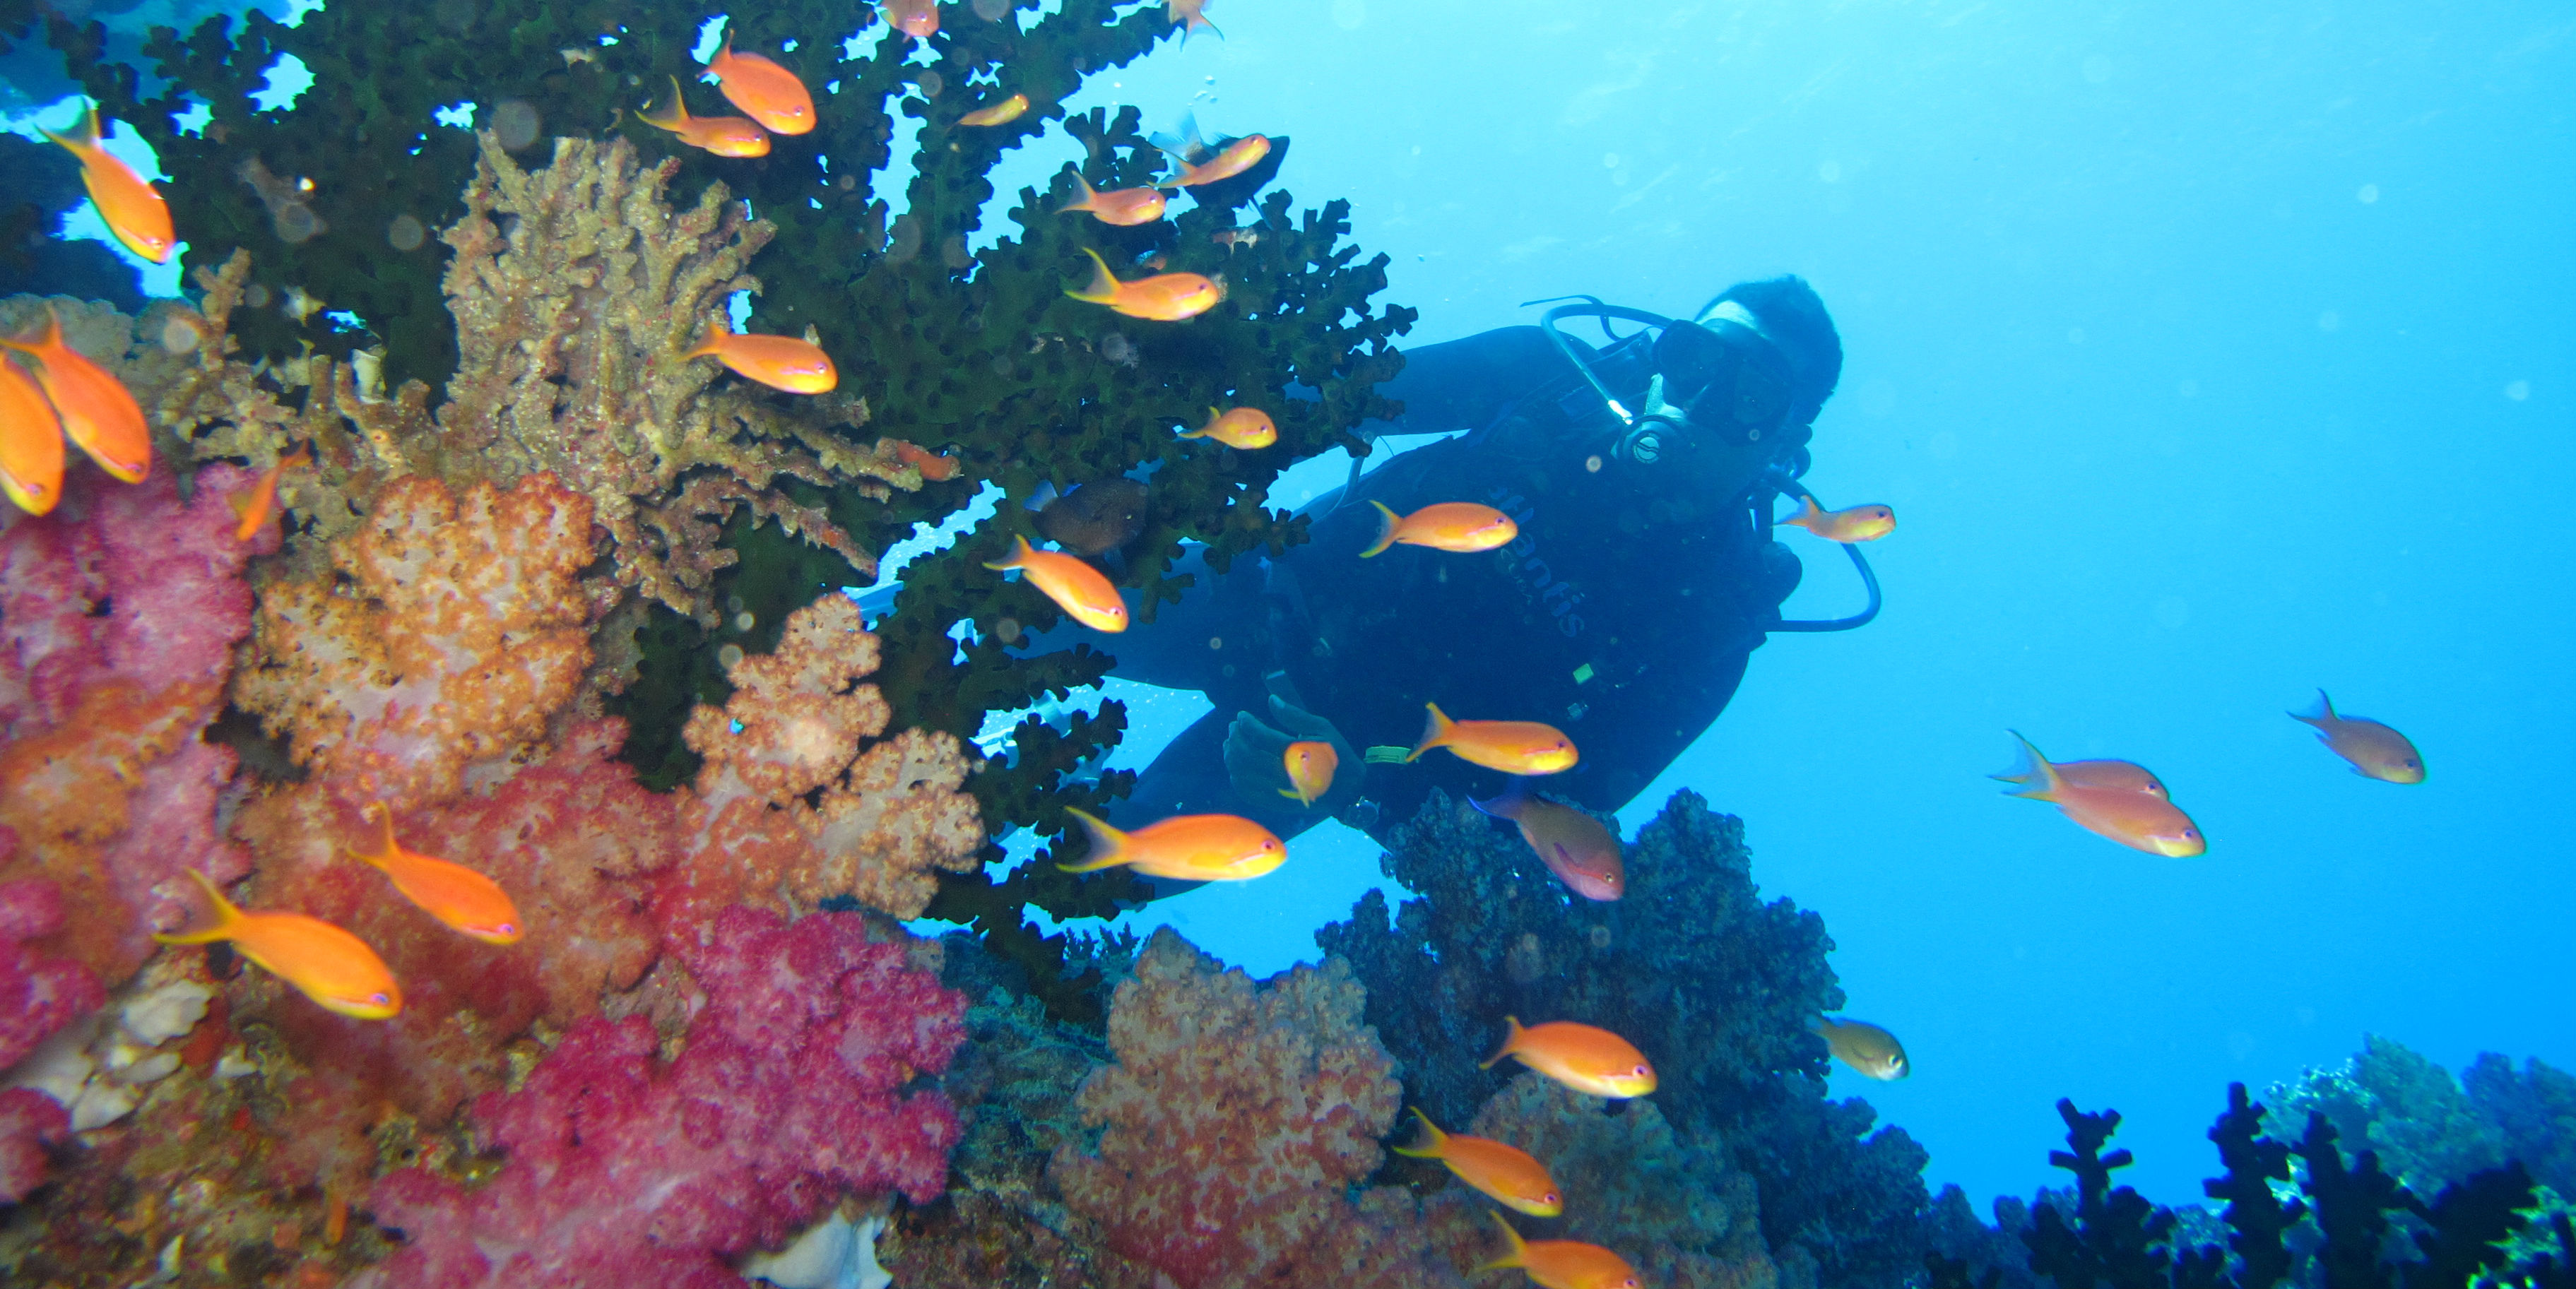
(1574, 846)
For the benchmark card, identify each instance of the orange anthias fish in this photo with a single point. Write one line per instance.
(1505, 1172)
(932, 465)
(1237, 157)
(1563, 1264)
(725, 136)
(1867, 1048)
(1242, 427)
(918, 19)
(2376, 751)
(1513, 747)
(1124, 207)
(128, 202)
(255, 505)
(1190, 16)
(331, 966)
(1574, 846)
(2119, 776)
(2140, 820)
(765, 91)
(1858, 524)
(1164, 297)
(452, 893)
(31, 442)
(1581, 1057)
(1461, 526)
(1310, 768)
(1194, 848)
(1002, 113)
(781, 362)
(97, 412)
(1076, 587)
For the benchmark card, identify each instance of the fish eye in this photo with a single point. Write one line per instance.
(2191, 833)
(1549, 1198)
(379, 999)
(1640, 1071)
(506, 928)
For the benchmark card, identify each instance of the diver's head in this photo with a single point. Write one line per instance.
(1737, 387)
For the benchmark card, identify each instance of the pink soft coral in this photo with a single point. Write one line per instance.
(37, 997)
(624, 1171)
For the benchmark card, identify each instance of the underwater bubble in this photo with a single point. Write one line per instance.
(295, 223)
(515, 123)
(406, 233)
(1007, 631)
(1609, 160)
(1216, 642)
(2518, 391)
(744, 621)
(2329, 321)
(931, 83)
(1600, 937)
(2369, 194)
(729, 656)
(1592, 464)
(733, 604)
(179, 335)
(992, 10)
(1117, 348)
(847, 182)
(257, 295)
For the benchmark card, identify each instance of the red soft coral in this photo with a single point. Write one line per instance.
(622, 1171)
(28, 1120)
(37, 995)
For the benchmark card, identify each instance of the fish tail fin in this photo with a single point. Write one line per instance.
(82, 138)
(225, 916)
(1045, 496)
(239, 500)
(1202, 431)
(1808, 513)
(1436, 729)
(1089, 199)
(2320, 714)
(708, 343)
(1387, 521)
(1515, 1251)
(299, 455)
(1505, 804)
(1511, 1040)
(1108, 845)
(2038, 779)
(1104, 284)
(379, 859)
(1019, 556)
(1434, 1142)
(670, 118)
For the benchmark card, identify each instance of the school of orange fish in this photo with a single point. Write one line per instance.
(51, 395)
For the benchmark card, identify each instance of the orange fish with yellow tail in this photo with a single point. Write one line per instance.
(935, 467)
(2138, 820)
(1164, 297)
(97, 412)
(1310, 766)
(1002, 113)
(1076, 587)
(1192, 848)
(765, 91)
(1513, 747)
(452, 893)
(2375, 751)
(2118, 776)
(131, 207)
(255, 505)
(725, 136)
(1582, 1057)
(1123, 207)
(1461, 526)
(1858, 524)
(1507, 1173)
(331, 966)
(1190, 16)
(789, 363)
(31, 442)
(1233, 159)
(1242, 427)
(1563, 1264)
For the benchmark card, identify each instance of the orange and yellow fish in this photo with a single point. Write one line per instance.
(331, 966)
(795, 365)
(1574, 846)
(255, 505)
(765, 91)
(1507, 1173)
(131, 207)
(2118, 776)
(1310, 769)
(1164, 297)
(2376, 751)
(2139, 820)
(31, 442)
(1002, 113)
(1513, 747)
(1193, 848)
(1563, 1264)
(1867, 1048)
(1123, 207)
(1461, 526)
(1241, 427)
(1076, 587)
(1858, 524)
(935, 467)
(1190, 16)
(725, 136)
(1581, 1057)
(452, 893)
(918, 19)
(97, 412)
(1235, 158)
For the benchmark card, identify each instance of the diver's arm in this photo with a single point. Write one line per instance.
(1464, 384)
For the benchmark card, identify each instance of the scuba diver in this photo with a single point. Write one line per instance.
(1641, 474)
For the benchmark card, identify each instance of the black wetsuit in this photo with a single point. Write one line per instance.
(1623, 613)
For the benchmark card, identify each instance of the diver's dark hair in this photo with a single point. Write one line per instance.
(1795, 316)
